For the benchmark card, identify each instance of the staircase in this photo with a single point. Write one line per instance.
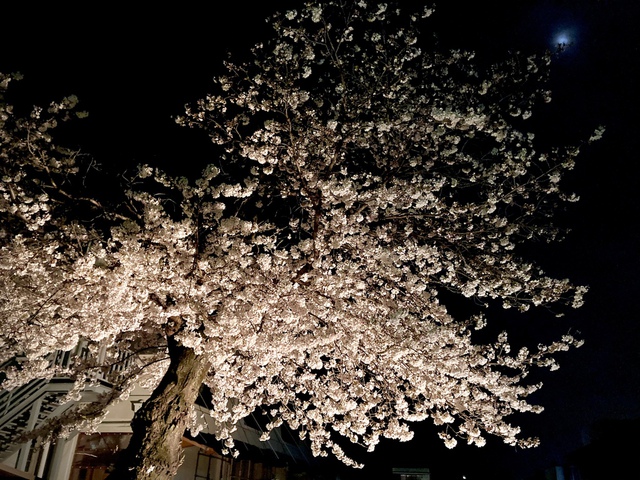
(27, 407)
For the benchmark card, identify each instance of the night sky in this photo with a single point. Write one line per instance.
(135, 69)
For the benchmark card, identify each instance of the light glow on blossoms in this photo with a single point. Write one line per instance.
(360, 177)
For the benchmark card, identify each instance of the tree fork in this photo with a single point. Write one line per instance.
(154, 451)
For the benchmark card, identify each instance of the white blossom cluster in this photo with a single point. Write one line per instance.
(362, 177)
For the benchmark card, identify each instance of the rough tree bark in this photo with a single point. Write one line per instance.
(154, 451)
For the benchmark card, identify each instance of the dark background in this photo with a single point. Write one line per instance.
(133, 69)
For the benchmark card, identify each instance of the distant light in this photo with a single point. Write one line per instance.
(564, 37)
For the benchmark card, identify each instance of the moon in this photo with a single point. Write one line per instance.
(564, 37)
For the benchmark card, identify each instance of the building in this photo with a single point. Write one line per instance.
(400, 473)
(86, 456)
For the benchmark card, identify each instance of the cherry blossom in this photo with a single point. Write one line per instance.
(364, 179)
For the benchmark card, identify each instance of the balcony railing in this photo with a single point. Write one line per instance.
(17, 406)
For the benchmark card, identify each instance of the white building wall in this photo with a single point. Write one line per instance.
(118, 419)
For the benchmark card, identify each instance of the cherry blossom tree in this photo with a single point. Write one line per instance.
(362, 180)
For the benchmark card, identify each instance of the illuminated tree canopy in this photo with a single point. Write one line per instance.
(360, 177)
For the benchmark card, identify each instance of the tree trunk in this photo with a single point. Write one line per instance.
(158, 426)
